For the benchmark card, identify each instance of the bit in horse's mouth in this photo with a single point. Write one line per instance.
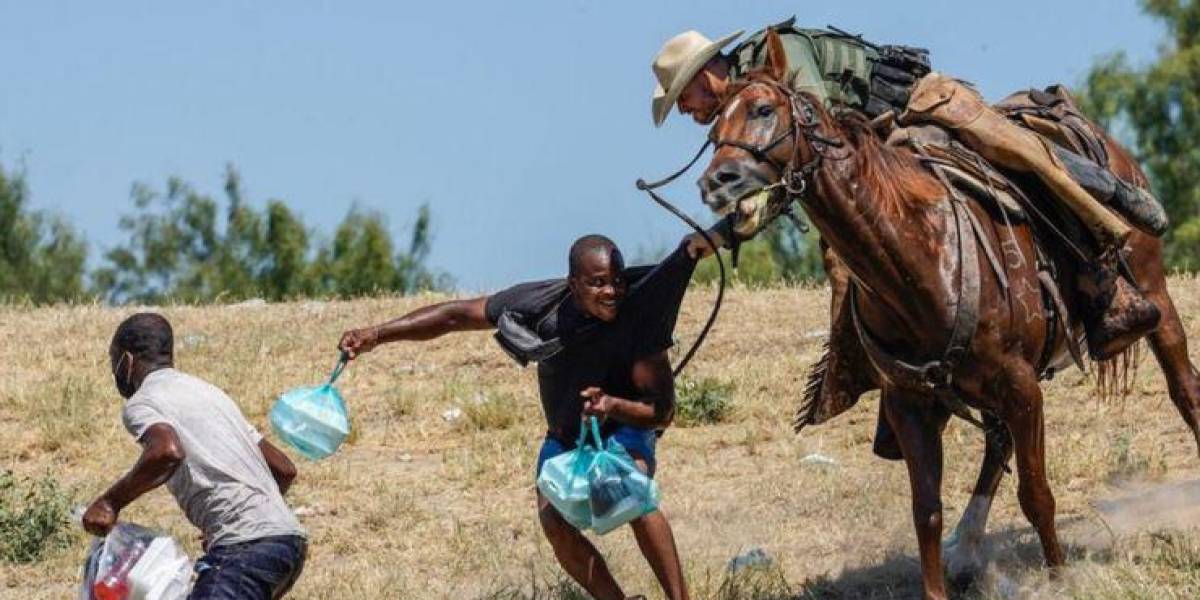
(746, 203)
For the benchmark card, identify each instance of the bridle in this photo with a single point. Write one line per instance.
(793, 179)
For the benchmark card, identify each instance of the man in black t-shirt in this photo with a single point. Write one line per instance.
(600, 338)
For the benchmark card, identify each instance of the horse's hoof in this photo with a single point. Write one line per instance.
(965, 561)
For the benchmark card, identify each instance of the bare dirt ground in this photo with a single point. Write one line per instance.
(416, 506)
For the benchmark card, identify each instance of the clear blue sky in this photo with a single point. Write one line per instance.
(523, 124)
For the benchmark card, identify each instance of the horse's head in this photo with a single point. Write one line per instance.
(761, 134)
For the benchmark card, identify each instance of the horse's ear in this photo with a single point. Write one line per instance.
(775, 65)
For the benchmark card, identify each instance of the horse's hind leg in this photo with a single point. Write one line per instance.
(1169, 342)
(1170, 348)
(918, 425)
(1183, 382)
(1025, 420)
(964, 549)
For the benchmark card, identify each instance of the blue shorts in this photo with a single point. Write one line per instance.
(639, 443)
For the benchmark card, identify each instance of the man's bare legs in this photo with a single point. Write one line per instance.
(654, 537)
(580, 559)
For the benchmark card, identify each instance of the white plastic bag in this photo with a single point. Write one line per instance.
(136, 563)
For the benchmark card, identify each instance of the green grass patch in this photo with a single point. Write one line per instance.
(702, 402)
(33, 517)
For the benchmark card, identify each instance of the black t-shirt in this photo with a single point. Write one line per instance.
(596, 353)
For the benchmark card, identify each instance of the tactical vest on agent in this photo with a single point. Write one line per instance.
(832, 67)
(838, 68)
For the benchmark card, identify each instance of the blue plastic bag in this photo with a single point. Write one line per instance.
(313, 420)
(619, 491)
(597, 486)
(563, 481)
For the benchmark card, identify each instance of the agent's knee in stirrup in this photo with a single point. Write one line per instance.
(944, 100)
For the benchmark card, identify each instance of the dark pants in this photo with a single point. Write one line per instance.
(262, 569)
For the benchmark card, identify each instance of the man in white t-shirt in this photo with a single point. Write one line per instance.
(225, 476)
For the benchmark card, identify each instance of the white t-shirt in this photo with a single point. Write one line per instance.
(224, 484)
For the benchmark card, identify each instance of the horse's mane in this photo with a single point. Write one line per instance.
(897, 181)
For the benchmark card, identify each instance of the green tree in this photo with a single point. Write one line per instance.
(362, 260)
(797, 254)
(41, 256)
(172, 248)
(286, 270)
(179, 249)
(781, 253)
(1155, 109)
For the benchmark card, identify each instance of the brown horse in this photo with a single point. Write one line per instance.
(909, 249)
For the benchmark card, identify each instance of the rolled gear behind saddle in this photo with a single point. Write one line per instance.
(945, 101)
(894, 74)
(1079, 144)
(1135, 204)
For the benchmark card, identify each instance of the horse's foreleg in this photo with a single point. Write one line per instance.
(964, 549)
(1170, 348)
(918, 425)
(1025, 420)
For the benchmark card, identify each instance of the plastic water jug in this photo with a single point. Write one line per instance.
(313, 420)
(114, 583)
(136, 563)
(162, 573)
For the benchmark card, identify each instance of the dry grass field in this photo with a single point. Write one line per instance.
(418, 506)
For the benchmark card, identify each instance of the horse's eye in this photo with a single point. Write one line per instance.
(764, 111)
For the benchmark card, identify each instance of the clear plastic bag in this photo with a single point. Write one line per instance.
(563, 481)
(597, 485)
(619, 491)
(135, 563)
(313, 420)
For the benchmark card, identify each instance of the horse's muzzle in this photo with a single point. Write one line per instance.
(726, 181)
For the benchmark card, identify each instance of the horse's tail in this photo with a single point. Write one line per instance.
(1115, 376)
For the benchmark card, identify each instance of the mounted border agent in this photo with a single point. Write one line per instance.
(892, 83)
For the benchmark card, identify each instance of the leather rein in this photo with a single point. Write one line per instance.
(663, 202)
(792, 185)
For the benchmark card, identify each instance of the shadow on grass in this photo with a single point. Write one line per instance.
(1013, 552)
(898, 576)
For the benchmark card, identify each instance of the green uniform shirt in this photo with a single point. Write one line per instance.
(834, 67)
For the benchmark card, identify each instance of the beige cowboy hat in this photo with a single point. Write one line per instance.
(677, 63)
